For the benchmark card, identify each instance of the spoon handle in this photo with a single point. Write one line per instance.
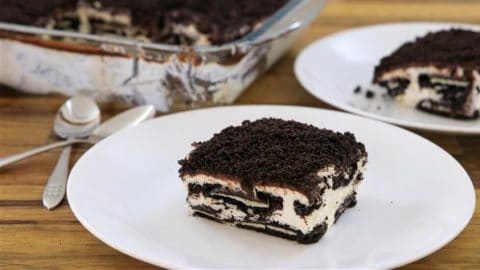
(55, 189)
(4, 161)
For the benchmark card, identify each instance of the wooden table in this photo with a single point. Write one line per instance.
(34, 238)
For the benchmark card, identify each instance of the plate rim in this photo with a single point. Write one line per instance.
(167, 264)
(347, 108)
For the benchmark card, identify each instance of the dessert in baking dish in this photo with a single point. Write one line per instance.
(185, 22)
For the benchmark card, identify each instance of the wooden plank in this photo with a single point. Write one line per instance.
(58, 246)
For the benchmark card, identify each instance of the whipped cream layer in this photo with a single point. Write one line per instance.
(284, 219)
(434, 96)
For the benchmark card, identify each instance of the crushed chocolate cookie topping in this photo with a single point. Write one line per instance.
(357, 89)
(274, 152)
(454, 47)
(369, 94)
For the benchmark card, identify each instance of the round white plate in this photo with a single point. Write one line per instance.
(333, 66)
(126, 191)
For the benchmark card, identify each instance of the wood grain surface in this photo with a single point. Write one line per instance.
(34, 238)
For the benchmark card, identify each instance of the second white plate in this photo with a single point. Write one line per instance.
(126, 191)
(333, 66)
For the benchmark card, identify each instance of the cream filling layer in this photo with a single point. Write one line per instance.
(191, 32)
(414, 93)
(273, 228)
(331, 201)
(256, 225)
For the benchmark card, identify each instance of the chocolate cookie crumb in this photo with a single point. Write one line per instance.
(357, 89)
(369, 94)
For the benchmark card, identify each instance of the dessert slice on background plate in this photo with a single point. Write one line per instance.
(282, 178)
(438, 73)
(418, 70)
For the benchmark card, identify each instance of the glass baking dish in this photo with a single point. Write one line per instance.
(170, 77)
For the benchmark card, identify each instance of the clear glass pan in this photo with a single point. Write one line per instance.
(170, 77)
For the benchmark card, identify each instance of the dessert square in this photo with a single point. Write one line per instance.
(437, 73)
(283, 178)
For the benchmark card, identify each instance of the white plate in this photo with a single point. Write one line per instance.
(333, 66)
(126, 191)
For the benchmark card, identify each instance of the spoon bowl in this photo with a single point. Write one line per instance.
(79, 110)
(77, 117)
